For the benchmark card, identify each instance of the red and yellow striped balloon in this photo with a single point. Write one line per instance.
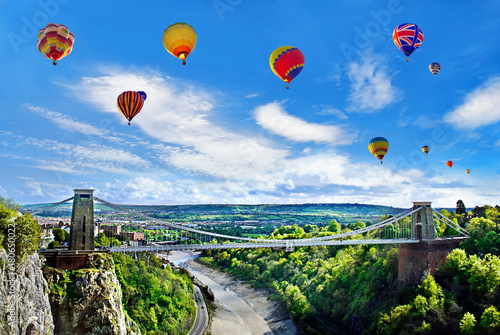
(55, 42)
(179, 39)
(378, 146)
(286, 62)
(130, 104)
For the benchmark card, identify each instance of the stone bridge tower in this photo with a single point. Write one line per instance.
(82, 220)
(417, 260)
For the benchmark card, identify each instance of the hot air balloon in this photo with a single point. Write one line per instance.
(179, 39)
(407, 37)
(55, 42)
(425, 149)
(378, 146)
(286, 62)
(143, 95)
(449, 163)
(468, 171)
(130, 104)
(434, 68)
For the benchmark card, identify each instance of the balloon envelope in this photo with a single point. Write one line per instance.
(434, 68)
(449, 163)
(286, 62)
(425, 149)
(55, 42)
(378, 146)
(467, 171)
(143, 95)
(179, 39)
(130, 104)
(407, 37)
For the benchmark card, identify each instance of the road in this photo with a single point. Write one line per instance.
(201, 320)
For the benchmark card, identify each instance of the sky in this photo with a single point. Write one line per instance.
(224, 130)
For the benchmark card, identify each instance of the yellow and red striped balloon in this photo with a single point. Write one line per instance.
(179, 39)
(130, 104)
(55, 42)
(286, 62)
(378, 146)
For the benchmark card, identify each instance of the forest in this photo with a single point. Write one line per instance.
(354, 289)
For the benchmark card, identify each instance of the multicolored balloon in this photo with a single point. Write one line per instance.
(55, 42)
(449, 163)
(378, 146)
(425, 149)
(407, 37)
(468, 171)
(130, 104)
(179, 39)
(286, 62)
(434, 68)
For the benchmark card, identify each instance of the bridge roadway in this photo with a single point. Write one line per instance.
(288, 244)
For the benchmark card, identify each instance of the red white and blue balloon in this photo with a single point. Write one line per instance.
(408, 37)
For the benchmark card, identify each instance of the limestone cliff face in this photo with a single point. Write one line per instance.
(32, 313)
(88, 300)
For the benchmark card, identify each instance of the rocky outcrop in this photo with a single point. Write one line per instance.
(88, 300)
(26, 308)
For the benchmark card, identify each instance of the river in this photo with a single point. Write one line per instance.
(240, 309)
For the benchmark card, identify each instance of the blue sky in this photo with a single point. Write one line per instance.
(223, 128)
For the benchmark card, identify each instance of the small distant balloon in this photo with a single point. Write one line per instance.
(434, 68)
(407, 37)
(286, 62)
(425, 149)
(468, 171)
(449, 163)
(143, 95)
(130, 104)
(378, 146)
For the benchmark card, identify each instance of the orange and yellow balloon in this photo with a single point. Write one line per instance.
(425, 149)
(55, 42)
(468, 171)
(130, 103)
(179, 39)
(378, 146)
(286, 62)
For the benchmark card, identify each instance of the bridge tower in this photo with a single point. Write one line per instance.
(417, 260)
(82, 220)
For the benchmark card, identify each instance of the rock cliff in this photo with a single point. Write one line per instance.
(31, 313)
(88, 300)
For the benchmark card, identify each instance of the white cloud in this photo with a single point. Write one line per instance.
(330, 110)
(273, 118)
(371, 88)
(481, 107)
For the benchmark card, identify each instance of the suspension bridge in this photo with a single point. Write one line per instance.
(410, 226)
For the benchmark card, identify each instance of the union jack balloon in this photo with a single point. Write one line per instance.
(408, 37)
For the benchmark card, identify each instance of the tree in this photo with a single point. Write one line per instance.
(60, 235)
(460, 208)
(468, 323)
(491, 319)
(334, 226)
(24, 228)
(10, 203)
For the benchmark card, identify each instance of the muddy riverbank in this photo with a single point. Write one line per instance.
(240, 308)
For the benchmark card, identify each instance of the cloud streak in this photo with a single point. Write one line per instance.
(481, 107)
(274, 118)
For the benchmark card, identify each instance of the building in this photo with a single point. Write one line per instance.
(133, 236)
(82, 220)
(111, 230)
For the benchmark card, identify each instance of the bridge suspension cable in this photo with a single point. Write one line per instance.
(449, 223)
(51, 206)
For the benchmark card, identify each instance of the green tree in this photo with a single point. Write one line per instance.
(24, 229)
(10, 203)
(60, 235)
(334, 227)
(490, 320)
(468, 324)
